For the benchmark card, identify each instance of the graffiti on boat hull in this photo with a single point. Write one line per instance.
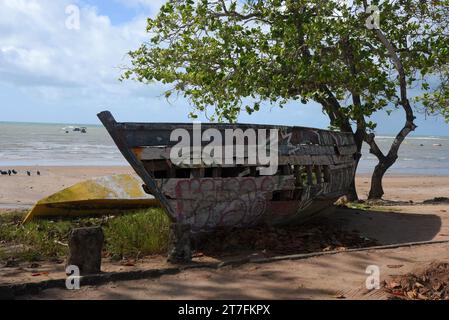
(209, 203)
(314, 168)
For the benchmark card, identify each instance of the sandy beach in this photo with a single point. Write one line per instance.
(326, 277)
(22, 190)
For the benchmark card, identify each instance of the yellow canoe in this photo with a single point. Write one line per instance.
(100, 196)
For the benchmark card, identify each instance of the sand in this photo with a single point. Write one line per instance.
(407, 188)
(327, 277)
(341, 276)
(22, 190)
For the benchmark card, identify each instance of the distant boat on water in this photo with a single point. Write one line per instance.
(75, 129)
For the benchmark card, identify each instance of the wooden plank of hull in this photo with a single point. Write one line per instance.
(209, 203)
(224, 188)
(158, 134)
(337, 159)
(206, 213)
(162, 153)
(347, 149)
(162, 164)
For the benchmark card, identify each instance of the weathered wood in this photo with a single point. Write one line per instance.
(315, 167)
(179, 243)
(327, 173)
(343, 159)
(303, 159)
(309, 175)
(298, 178)
(85, 247)
(163, 153)
(319, 174)
(157, 165)
(158, 134)
(347, 149)
(223, 187)
(341, 166)
(197, 173)
(216, 172)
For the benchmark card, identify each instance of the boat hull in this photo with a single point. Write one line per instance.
(315, 168)
(101, 196)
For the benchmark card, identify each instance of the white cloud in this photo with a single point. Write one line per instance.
(153, 4)
(38, 51)
(51, 73)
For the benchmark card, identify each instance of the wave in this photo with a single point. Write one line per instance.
(416, 138)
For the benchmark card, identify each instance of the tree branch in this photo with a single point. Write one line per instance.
(405, 103)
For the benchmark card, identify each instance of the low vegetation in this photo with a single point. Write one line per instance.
(379, 206)
(136, 234)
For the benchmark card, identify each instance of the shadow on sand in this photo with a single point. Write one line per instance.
(387, 227)
(283, 281)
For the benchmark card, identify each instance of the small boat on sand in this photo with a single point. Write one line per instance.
(102, 196)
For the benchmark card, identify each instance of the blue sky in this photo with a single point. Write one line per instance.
(50, 73)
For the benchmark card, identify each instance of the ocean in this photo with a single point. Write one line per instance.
(29, 144)
(26, 144)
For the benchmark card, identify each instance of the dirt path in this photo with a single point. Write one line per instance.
(328, 277)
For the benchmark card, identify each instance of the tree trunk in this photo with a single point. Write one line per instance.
(352, 192)
(358, 138)
(376, 192)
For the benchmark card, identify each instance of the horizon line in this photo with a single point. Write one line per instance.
(100, 125)
(52, 123)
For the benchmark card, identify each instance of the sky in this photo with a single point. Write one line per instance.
(55, 70)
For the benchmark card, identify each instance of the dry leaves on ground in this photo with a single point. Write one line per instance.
(282, 241)
(429, 284)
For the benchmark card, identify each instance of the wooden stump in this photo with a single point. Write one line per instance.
(85, 246)
(179, 244)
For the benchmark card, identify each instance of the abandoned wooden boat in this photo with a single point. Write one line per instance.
(314, 168)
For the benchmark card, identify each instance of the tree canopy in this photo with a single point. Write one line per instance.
(352, 57)
(234, 55)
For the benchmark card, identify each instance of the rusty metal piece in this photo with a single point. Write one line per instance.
(316, 167)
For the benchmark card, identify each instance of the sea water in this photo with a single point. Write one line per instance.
(418, 155)
(31, 144)
(27, 144)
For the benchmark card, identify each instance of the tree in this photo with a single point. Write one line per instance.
(437, 102)
(419, 45)
(229, 56)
